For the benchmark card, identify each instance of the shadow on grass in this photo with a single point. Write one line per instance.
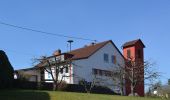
(23, 95)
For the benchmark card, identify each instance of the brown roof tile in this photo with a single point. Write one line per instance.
(87, 51)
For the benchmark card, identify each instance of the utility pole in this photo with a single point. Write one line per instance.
(70, 42)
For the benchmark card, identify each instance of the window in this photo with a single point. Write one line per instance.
(42, 75)
(113, 57)
(66, 69)
(106, 73)
(128, 54)
(61, 70)
(106, 57)
(100, 72)
(49, 76)
(139, 53)
(95, 71)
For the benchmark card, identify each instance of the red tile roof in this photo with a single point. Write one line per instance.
(87, 51)
(82, 53)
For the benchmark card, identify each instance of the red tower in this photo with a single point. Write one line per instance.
(134, 49)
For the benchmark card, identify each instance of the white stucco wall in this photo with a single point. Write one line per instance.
(84, 66)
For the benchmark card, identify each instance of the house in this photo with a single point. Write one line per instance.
(162, 91)
(29, 74)
(91, 61)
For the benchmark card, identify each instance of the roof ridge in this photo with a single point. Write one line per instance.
(86, 46)
(132, 42)
(87, 51)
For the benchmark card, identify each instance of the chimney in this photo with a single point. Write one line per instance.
(92, 43)
(57, 52)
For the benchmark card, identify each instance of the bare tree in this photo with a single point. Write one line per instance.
(134, 72)
(54, 67)
(89, 85)
(117, 75)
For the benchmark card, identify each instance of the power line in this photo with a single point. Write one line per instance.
(19, 52)
(47, 33)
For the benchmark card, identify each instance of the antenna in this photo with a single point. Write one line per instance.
(70, 42)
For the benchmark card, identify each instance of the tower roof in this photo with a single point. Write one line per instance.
(132, 43)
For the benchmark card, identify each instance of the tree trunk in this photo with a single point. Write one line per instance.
(121, 87)
(122, 91)
(132, 90)
(54, 86)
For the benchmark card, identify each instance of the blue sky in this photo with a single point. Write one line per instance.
(118, 20)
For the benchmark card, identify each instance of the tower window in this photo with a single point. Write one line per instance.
(128, 54)
(139, 53)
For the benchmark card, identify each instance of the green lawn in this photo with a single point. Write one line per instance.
(50, 95)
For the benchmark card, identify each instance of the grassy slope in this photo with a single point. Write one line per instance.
(49, 95)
